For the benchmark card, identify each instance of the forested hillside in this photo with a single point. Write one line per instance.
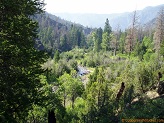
(58, 34)
(123, 19)
(77, 74)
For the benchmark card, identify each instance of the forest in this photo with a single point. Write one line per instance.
(56, 71)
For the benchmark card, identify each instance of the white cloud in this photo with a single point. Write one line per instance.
(98, 6)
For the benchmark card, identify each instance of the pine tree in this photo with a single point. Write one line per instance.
(97, 39)
(106, 36)
(20, 62)
(107, 27)
(122, 43)
(105, 41)
(56, 56)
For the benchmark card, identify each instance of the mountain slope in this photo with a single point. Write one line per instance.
(68, 23)
(122, 19)
(58, 34)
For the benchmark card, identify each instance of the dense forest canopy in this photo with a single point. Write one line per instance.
(58, 34)
(56, 71)
(20, 62)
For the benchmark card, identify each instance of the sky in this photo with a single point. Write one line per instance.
(98, 6)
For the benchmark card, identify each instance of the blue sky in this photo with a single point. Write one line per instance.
(98, 6)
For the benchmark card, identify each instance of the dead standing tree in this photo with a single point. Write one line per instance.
(159, 30)
(115, 39)
(132, 33)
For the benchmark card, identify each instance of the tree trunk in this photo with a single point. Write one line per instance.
(73, 100)
(51, 117)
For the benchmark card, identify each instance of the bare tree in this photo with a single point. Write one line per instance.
(132, 33)
(159, 30)
(117, 35)
(114, 43)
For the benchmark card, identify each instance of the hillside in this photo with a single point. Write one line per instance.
(123, 19)
(68, 23)
(58, 34)
(56, 71)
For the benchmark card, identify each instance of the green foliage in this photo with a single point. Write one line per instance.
(97, 102)
(147, 109)
(56, 35)
(93, 77)
(122, 43)
(140, 50)
(74, 98)
(148, 55)
(99, 99)
(73, 65)
(107, 27)
(146, 77)
(38, 114)
(60, 68)
(105, 41)
(147, 42)
(162, 48)
(97, 39)
(70, 87)
(49, 100)
(56, 56)
(20, 62)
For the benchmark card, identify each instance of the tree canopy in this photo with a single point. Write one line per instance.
(20, 62)
(88, 76)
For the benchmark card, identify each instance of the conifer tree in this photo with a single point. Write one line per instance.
(107, 27)
(20, 62)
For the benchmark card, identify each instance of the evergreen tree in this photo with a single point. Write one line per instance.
(105, 41)
(107, 27)
(56, 56)
(99, 32)
(105, 44)
(122, 43)
(96, 44)
(64, 43)
(20, 62)
(97, 38)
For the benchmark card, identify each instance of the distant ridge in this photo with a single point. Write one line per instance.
(123, 19)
